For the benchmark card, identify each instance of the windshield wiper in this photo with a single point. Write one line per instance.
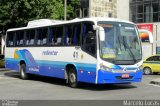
(131, 53)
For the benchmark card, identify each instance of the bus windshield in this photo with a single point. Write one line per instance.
(121, 44)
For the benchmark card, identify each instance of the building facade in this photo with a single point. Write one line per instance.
(104, 8)
(145, 11)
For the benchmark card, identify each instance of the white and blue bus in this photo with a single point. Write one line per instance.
(92, 50)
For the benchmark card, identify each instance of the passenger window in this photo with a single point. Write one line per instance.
(58, 36)
(27, 37)
(52, 33)
(87, 28)
(153, 58)
(39, 34)
(68, 39)
(42, 36)
(76, 34)
(10, 39)
(89, 43)
(30, 37)
(19, 38)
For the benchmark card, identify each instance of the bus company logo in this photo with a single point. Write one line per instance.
(47, 52)
(34, 69)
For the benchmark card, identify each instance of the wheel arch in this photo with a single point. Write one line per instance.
(151, 70)
(147, 67)
(22, 62)
(67, 68)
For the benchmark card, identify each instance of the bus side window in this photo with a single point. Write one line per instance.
(32, 37)
(52, 36)
(27, 38)
(19, 38)
(89, 43)
(89, 38)
(59, 35)
(44, 36)
(39, 33)
(68, 35)
(76, 34)
(21, 43)
(87, 27)
(10, 38)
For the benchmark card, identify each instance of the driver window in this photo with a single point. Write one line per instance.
(90, 43)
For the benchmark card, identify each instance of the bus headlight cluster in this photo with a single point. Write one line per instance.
(105, 68)
(140, 68)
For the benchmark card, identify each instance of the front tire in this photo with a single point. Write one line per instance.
(23, 73)
(72, 78)
(147, 71)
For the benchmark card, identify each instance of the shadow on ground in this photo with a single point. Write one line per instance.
(62, 82)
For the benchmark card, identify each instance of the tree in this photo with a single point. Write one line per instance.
(18, 12)
(71, 6)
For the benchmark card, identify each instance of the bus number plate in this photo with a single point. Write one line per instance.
(125, 76)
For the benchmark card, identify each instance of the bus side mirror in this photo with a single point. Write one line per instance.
(101, 34)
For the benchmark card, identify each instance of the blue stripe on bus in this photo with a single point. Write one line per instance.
(86, 72)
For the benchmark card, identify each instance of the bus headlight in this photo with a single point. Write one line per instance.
(140, 68)
(105, 68)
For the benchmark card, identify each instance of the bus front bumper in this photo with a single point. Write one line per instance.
(105, 77)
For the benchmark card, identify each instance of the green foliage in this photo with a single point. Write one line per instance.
(18, 12)
(1, 63)
(71, 6)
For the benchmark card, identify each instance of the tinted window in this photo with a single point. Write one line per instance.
(30, 37)
(42, 36)
(10, 39)
(68, 39)
(19, 38)
(56, 35)
(154, 58)
(76, 34)
(59, 36)
(87, 28)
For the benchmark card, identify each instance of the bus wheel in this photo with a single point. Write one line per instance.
(147, 71)
(72, 78)
(23, 73)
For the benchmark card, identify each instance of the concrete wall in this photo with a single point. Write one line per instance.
(123, 9)
(101, 8)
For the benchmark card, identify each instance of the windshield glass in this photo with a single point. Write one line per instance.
(121, 44)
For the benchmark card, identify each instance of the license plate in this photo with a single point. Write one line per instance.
(125, 76)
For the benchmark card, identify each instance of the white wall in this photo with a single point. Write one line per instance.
(123, 9)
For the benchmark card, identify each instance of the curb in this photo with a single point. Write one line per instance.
(156, 81)
(3, 69)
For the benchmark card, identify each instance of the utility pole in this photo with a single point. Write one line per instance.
(65, 9)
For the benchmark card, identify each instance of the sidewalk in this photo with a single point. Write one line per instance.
(3, 69)
(156, 81)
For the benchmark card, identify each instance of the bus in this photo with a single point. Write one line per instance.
(93, 50)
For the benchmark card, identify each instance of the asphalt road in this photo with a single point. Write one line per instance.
(44, 88)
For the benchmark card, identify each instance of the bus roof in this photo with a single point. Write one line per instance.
(48, 22)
